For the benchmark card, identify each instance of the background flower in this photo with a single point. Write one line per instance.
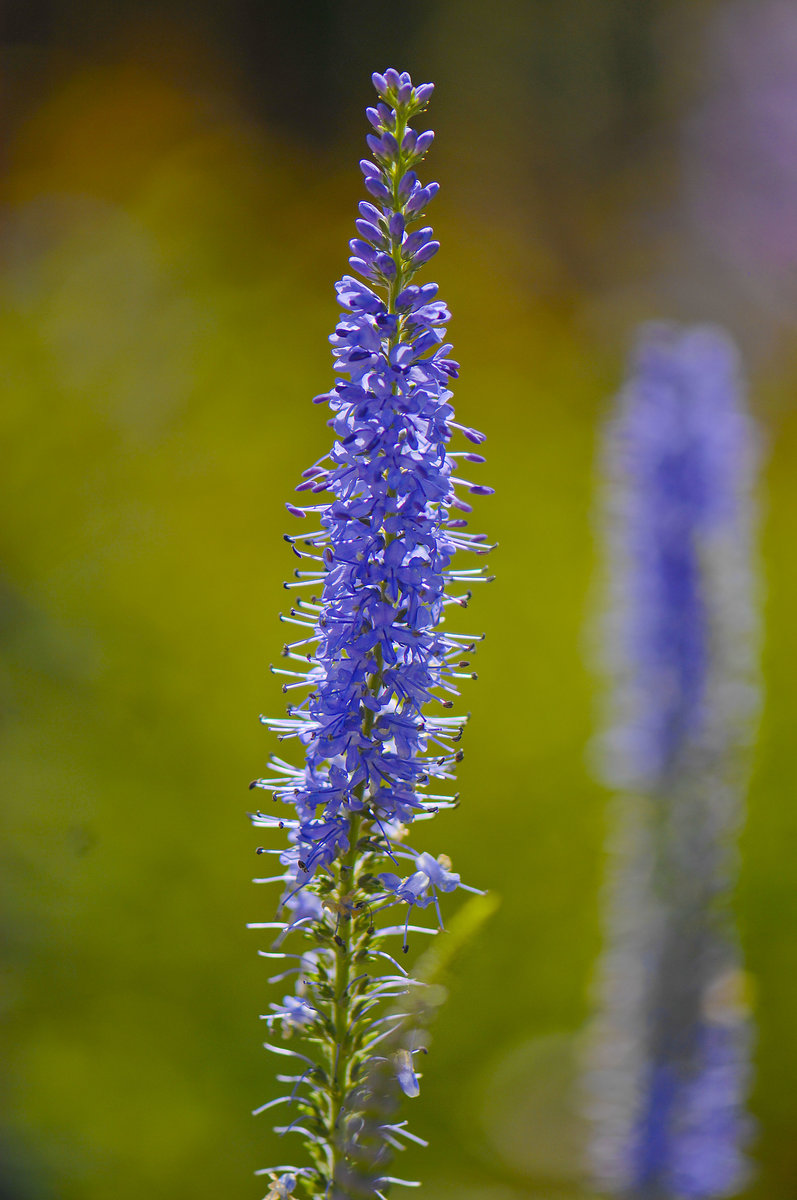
(672, 1040)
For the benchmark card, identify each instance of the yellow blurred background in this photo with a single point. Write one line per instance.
(178, 184)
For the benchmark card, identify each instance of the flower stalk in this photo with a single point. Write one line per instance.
(378, 666)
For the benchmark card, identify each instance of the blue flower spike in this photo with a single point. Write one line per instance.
(671, 1049)
(375, 673)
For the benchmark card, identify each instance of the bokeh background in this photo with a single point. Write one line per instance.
(177, 187)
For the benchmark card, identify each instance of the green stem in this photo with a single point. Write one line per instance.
(341, 1062)
(343, 1050)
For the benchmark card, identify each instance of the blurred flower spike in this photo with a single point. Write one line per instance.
(671, 1045)
(378, 674)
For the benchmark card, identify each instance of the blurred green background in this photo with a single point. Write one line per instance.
(177, 187)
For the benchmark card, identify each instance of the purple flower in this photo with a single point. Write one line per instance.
(671, 1044)
(421, 887)
(405, 1073)
(282, 1186)
(375, 671)
(679, 457)
(293, 1013)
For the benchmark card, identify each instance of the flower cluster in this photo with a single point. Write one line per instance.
(671, 1045)
(379, 671)
(679, 459)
